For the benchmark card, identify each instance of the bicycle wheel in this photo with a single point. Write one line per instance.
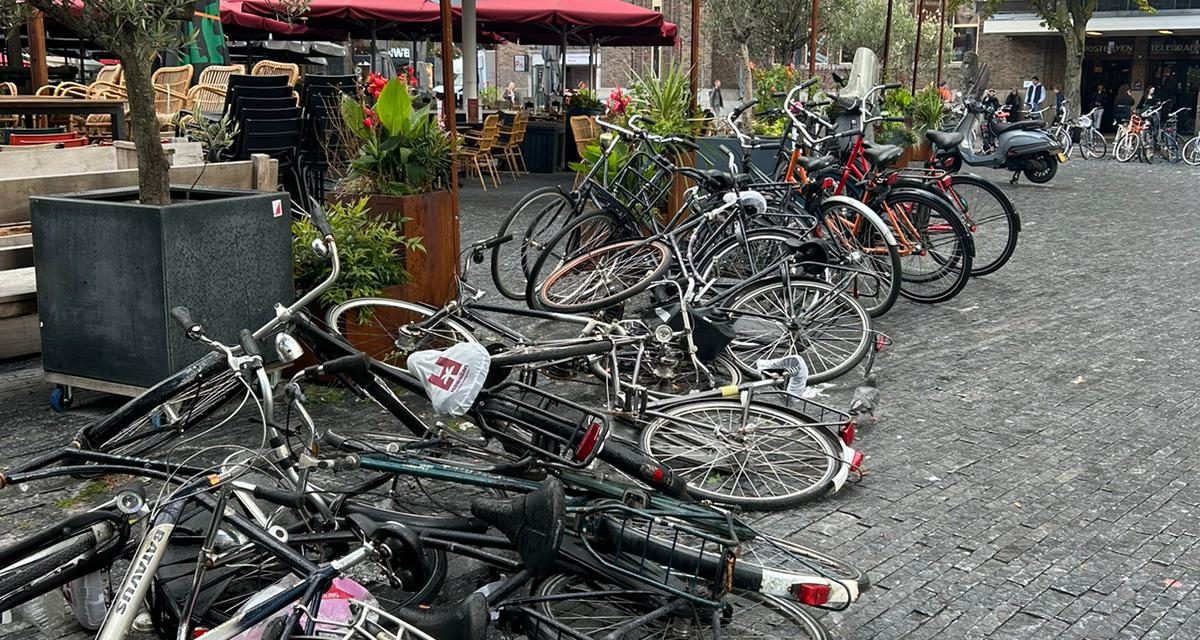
(391, 330)
(756, 457)
(1149, 150)
(1093, 144)
(576, 238)
(1191, 151)
(18, 583)
(735, 259)
(935, 246)
(1062, 135)
(1169, 148)
(1127, 147)
(600, 608)
(187, 403)
(595, 272)
(991, 218)
(861, 243)
(814, 320)
(532, 222)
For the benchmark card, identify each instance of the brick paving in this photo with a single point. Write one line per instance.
(1032, 472)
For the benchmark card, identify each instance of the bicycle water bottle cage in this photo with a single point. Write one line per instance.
(532, 522)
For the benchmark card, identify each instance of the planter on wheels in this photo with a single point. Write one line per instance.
(110, 269)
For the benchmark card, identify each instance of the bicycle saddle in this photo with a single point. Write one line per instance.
(812, 164)
(943, 140)
(881, 155)
(715, 179)
(1025, 125)
(532, 522)
(467, 621)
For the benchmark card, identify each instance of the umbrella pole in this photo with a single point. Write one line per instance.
(82, 70)
(562, 65)
(941, 40)
(812, 38)
(592, 64)
(917, 52)
(39, 72)
(448, 109)
(887, 38)
(694, 73)
(374, 47)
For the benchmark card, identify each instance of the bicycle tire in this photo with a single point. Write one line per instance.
(920, 214)
(735, 259)
(166, 411)
(1126, 147)
(535, 217)
(577, 237)
(1191, 151)
(390, 346)
(611, 607)
(696, 432)
(1170, 147)
(649, 261)
(1149, 151)
(808, 318)
(1095, 147)
(13, 580)
(863, 248)
(985, 260)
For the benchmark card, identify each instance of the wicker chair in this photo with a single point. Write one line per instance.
(585, 131)
(9, 89)
(480, 153)
(208, 96)
(170, 98)
(509, 145)
(272, 68)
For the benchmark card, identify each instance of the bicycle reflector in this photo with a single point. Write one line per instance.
(811, 594)
(589, 444)
(847, 432)
(856, 460)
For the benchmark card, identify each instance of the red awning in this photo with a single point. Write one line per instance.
(355, 15)
(516, 15)
(239, 24)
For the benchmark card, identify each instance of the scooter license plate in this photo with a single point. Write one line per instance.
(1062, 157)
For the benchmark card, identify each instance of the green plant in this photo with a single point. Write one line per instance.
(898, 103)
(927, 111)
(896, 133)
(397, 150)
(584, 98)
(771, 127)
(368, 248)
(216, 136)
(489, 96)
(666, 100)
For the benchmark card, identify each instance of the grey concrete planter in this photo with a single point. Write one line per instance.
(109, 270)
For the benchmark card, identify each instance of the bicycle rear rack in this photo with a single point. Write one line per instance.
(553, 428)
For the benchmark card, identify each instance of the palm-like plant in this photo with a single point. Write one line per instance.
(666, 99)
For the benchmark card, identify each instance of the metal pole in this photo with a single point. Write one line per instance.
(941, 41)
(470, 54)
(812, 38)
(694, 74)
(917, 52)
(39, 72)
(448, 110)
(887, 38)
(374, 47)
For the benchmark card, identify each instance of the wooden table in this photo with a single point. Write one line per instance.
(44, 105)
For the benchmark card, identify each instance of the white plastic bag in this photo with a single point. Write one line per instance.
(454, 377)
(794, 365)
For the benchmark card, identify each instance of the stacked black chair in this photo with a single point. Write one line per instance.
(320, 146)
(269, 122)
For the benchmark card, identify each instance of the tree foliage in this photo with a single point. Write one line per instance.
(136, 31)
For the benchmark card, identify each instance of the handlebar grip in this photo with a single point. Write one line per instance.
(779, 94)
(649, 122)
(320, 221)
(279, 497)
(892, 85)
(740, 109)
(726, 150)
(892, 119)
(822, 103)
(353, 365)
(810, 82)
(496, 241)
(685, 143)
(249, 344)
(183, 317)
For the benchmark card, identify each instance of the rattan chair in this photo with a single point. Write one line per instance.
(586, 131)
(208, 96)
(272, 68)
(480, 153)
(9, 89)
(509, 145)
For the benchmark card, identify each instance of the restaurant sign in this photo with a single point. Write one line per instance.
(1108, 47)
(1175, 47)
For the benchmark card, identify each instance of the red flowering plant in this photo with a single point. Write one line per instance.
(395, 148)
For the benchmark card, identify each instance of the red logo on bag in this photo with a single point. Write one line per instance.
(449, 375)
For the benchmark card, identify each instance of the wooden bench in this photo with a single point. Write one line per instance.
(19, 334)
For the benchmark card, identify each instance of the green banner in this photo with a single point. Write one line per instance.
(208, 45)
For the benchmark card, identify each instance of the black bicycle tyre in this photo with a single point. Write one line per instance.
(1011, 218)
(22, 576)
(601, 227)
(964, 255)
(504, 270)
(805, 627)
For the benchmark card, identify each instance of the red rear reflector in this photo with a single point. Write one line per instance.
(856, 460)
(847, 433)
(813, 595)
(587, 445)
(657, 475)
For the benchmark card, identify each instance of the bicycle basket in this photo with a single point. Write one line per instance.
(664, 552)
(640, 186)
(528, 421)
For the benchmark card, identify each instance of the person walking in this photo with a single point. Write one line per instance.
(1060, 102)
(715, 101)
(1035, 95)
(1123, 105)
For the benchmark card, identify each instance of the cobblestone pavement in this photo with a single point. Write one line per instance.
(1033, 471)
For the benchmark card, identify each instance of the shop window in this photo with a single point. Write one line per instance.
(965, 38)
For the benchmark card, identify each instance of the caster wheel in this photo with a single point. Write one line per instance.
(60, 399)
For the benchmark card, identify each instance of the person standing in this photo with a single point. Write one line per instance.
(944, 92)
(1060, 105)
(510, 94)
(1035, 95)
(1012, 104)
(1123, 105)
(715, 101)
(1097, 105)
(991, 101)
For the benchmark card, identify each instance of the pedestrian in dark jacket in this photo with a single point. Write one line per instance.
(1123, 105)
(1012, 104)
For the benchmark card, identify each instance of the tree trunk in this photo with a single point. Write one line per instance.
(748, 85)
(1073, 40)
(154, 180)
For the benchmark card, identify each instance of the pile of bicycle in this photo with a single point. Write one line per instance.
(591, 478)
